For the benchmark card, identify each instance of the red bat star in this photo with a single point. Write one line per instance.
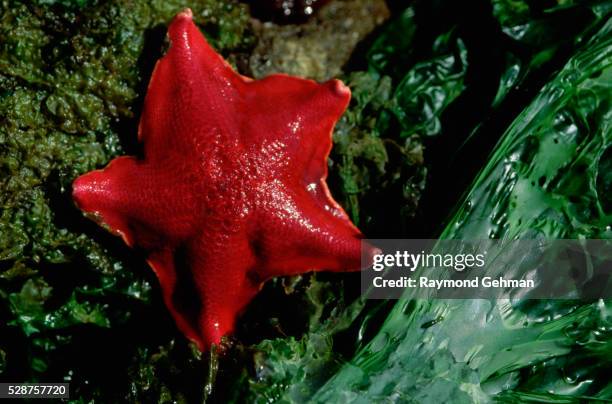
(231, 189)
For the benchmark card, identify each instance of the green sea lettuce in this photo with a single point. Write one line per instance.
(542, 180)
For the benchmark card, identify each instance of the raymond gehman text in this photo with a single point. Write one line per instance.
(477, 282)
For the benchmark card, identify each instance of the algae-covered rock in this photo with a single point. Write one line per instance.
(320, 48)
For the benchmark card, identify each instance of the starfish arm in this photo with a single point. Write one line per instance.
(306, 237)
(291, 121)
(131, 201)
(189, 100)
(221, 287)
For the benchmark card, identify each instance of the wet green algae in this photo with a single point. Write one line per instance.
(548, 177)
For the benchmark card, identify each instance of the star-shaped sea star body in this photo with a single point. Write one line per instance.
(231, 189)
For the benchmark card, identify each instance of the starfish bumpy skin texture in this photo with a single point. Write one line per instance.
(231, 189)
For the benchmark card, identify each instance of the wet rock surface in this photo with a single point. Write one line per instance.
(319, 48)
